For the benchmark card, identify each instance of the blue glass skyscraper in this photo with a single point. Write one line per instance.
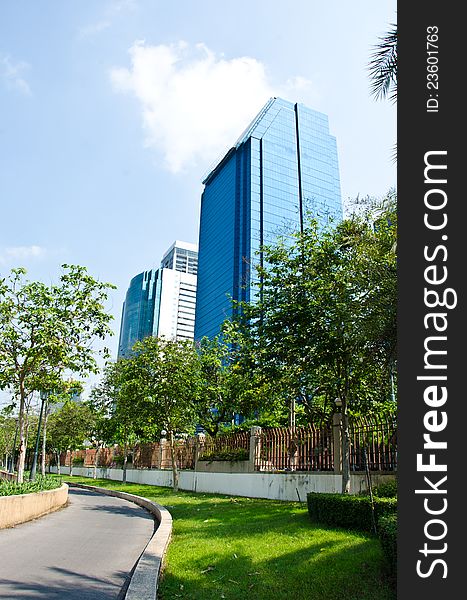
(161, 302)
(282, 166)
(138, 311)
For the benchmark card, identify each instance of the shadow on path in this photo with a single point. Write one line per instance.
(75, 586)
(86, 552)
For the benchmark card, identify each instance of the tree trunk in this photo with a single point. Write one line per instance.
(391, 378)
(125, 460)
(71, 463)
(174, 462)
(58, 463)
(345, 450)
(292, 413)
(27, 452)
(22, 445)
(96, 461)
(44, 436)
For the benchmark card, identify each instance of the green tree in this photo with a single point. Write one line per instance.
(228, 384)
(99, 435)
(65, 391)
(69, 427)
(7, 435)
(46, 331)
(118, 417)
(324, 326)
(163, 379)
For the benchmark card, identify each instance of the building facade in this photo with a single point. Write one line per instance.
(282, 167)
(137, 311)
(175, 296)
(161, 302)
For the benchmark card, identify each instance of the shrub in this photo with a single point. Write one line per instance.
(40, 484)
(387, 532)
(230, 455)
(387, 489)
(351, 512)
(78, 461)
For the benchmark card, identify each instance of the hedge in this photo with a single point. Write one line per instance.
(234, 455)
(387, 531)
(386, 489)
(351, 512)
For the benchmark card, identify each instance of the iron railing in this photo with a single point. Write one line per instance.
(373, 443)
(295, 449)
(225, 445)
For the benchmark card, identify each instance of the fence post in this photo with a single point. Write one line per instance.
(255, 447)
(161, 451)
(164, 451)
(336, 441)
(199, 445)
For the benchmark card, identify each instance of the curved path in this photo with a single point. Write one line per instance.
(85, 551)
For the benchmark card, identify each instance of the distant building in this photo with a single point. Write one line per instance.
(282, 166)
(161, 302)
(175, 301)
(137, 312)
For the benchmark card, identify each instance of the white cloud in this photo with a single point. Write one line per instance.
(13, 254)
(12, 74)
(195, 103)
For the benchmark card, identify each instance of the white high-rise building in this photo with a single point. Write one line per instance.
(175, 301)
(162, 302)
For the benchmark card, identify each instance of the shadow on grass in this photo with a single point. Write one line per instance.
(226, 519)
(240, 548)
(317, 572)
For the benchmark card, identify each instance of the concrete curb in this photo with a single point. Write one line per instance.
(22, 508)
(144, 580)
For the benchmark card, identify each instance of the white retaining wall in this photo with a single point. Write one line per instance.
(274, 486)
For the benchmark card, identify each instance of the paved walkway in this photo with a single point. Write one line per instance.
(84, 551)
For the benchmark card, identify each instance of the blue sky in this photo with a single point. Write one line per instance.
(111, 112)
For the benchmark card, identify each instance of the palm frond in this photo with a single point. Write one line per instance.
(383, 66)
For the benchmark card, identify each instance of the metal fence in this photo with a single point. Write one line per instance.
(295, 449)
(158, 455)
(105, 457)
(147, 456)
(373, 442)
(227, 445)
(90, 457)
(185, 452)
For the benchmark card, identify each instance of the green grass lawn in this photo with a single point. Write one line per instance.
(251, 549)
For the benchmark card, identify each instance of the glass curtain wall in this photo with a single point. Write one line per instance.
(282, 167)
